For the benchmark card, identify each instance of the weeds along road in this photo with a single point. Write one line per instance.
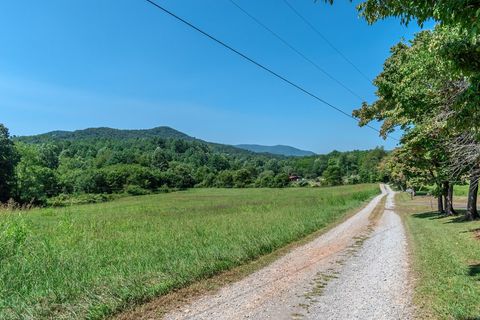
(357, 270)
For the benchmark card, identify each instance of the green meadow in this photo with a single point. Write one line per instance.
(91, 261)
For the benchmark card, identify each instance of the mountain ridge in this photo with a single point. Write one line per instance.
(163, 132)
(106, 132)
(278, 149)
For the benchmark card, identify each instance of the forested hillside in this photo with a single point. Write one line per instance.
(278, 149)
(52, 167)
(90, 133)
(119, 134)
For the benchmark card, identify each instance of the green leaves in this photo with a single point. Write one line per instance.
(8, 160)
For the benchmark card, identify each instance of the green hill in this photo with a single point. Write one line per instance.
(107, 133)
(104, 133)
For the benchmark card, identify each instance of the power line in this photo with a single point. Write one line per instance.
(257, 63)
(285, 42)
(308, 23)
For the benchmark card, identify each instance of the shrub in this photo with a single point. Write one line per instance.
(135, 190)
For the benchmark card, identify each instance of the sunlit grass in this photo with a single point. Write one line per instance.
(446, 259)
(460, 190)
(89, 261)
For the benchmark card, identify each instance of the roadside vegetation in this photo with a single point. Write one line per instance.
(446, 260)
(92, 260)
(430, 88)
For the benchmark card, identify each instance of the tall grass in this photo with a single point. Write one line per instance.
(92, 260)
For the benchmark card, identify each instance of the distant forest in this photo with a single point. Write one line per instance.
(91, 164)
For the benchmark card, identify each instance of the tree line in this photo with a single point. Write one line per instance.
(45, 169)
(430, 89)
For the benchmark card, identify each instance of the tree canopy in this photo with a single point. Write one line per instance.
(8, 160)
(462, 13)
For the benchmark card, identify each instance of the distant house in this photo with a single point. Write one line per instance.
(294, 177)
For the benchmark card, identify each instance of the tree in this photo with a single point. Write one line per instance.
(456, 44)
(160, 159)
(472, 212)
(465, 14)
(281, 180)
(416, 89)
(332, 175)
(242, 178)
(8, 160)
(368, 165)
(105, 164)
(34, 181)
(266, 179)
(225, 179)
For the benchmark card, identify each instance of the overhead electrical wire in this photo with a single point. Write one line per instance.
(285, 42)
(325, 39)
(261, 66)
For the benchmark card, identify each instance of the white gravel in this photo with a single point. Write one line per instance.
(374, 282)
(354, 271)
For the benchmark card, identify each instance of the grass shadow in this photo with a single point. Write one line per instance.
(475, 231)
(432, 215)
(460, 217)
(474, 270)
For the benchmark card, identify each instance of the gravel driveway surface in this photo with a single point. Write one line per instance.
(357, 270)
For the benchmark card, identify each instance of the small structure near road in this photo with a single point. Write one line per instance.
(294, 177)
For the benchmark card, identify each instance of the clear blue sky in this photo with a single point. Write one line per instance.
(69, 65)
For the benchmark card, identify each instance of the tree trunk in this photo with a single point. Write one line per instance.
(440, 204)
(472, 212)
(445, 196)
(440, 200)
(450, 210)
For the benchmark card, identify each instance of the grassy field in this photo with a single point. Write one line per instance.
(446, 261)
(458, 191)
(93, 260)
(461, 191)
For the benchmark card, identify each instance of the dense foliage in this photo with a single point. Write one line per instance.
(430, 88)
(462, 13)
(54, 167)
(8, 159)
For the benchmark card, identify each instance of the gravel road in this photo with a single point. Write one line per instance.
(357, 270)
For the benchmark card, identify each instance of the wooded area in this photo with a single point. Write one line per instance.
(429, 88)
(86, 168)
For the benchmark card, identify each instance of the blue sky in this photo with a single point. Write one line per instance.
(67, 65)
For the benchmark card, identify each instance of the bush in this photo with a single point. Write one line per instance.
(84, 198)
(135, 190)
(303, 183)
(281, 180)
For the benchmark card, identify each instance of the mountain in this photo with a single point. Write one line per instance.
(278, 150)
(121, 134)
(107, 133)
(160, 132)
